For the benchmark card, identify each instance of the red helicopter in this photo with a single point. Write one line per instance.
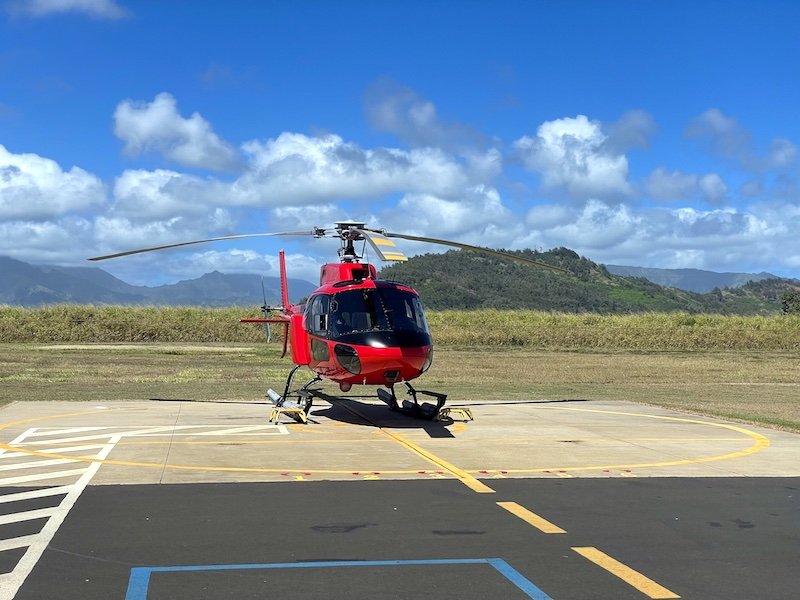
(354, 328)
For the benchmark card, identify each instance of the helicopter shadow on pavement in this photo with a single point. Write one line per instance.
(354, 412)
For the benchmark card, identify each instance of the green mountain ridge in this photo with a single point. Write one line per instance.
(468, 280)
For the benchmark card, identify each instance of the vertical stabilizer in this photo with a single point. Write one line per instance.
(284, 284)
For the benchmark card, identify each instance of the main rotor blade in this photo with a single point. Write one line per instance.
(216, 239)
(489, 251)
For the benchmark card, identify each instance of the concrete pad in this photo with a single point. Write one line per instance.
(45, 443)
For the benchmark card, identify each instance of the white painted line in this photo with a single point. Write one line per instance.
(32, 494)
(37, 544)
(173, 430)
(39, 431)
(58, 450)
(4, 454)
(41, 476)
(62, 449)
(22, 436)
(13, 543)
(280, 429)
(32, 464)
(29, 515)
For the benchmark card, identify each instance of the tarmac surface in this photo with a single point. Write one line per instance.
(577, 500)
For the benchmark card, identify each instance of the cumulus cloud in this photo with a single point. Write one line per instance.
(59, 241)
(572, 157)
(97, 9)
(443, 186)
(161, 194)
(725, 137)
(33, 187)
(670, 238)
(633, 129)
(671, 186)
(396, 109)
(157, 126)
(113, 233)
(298, 169)
(469, 218)
(594, 226)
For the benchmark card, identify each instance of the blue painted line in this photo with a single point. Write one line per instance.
(518, 579)
(139, 581)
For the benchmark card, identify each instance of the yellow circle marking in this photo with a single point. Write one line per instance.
(760, 443)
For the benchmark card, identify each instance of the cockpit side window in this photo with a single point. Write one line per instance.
(317, 320)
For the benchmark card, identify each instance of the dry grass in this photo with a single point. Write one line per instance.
(507, 328)
(752, 386)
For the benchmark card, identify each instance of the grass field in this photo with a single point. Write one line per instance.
(507, 328)
(754, 386)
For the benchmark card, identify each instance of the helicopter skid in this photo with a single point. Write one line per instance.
(297, 409)
(412, 406)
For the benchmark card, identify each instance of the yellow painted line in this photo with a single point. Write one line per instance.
(586, 441)
(531, 518)
(127, 463)
(382, 241)
(235, 442)
(471, 482)
(63, 415)
(633, 578)
(760, 443)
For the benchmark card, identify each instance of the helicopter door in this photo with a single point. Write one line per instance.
(317, 326)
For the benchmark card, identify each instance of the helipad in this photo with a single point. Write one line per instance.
(173, 442)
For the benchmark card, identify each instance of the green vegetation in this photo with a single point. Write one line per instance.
(790, 302)
(470, 281)
(505, 328)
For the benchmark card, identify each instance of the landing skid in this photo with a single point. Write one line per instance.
(294, 403)
(412, 406)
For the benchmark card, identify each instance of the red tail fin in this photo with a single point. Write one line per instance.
(284, 285)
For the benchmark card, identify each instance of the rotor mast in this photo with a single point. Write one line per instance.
(349, 232)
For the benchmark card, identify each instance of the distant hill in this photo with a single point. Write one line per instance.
(469, 280)
(23, 284)
(691, 280)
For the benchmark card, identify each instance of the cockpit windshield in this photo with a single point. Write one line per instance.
(378, 309)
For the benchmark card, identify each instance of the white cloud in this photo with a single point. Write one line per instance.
(467, 219)
(713, 188)
(157, 126)
(595, 226)
(113, 234)
(726, 137)
(671, 186)
(297, 169)
(668, 186)
(33, 187)
(59, 241)
(396, 109)
(632, 130)
(160, 194)
(98, 9)
(572, 157)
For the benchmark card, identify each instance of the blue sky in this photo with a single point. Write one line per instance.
(655, 134)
